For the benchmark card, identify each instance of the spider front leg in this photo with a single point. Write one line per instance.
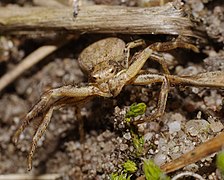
(38, 134)
(129, 46)
(41, 106)
(167, 46)
(158, 58)
(138, 61)
(154, 56)
(161, 105)
(43, 126)
(45, 122)
(56, 96)
(51, 100)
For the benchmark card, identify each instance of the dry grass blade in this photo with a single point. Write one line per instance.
(211, 146)
(30, 61)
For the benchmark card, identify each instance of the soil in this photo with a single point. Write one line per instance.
(193, 115)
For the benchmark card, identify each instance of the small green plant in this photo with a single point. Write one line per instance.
(138, 142)
(153, 172)
(136, 110)
(122, 176)
(130, 166)
(220, 162)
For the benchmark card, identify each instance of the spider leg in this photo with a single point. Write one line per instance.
(37, 109)
(51, 100)
(209, 79)
(45, 122)
(170, 45)
(158, 46)
(147, 78)
(126, 76)
(161, 105)
(156, 57)
(129, 46)
(38, 134)
(167, 46)
(56, 96)
(81, 123)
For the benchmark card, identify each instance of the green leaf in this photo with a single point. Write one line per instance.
(220, 162)
(153, 172)
(130, 166)
(136, 110)
(122, 176)
(138, 142)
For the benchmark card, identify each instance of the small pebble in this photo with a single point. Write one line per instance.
(174, 127)
(216, 126)
(160, 159)
(148, 136)
(123, 147)
(195, 127)
(127, 136)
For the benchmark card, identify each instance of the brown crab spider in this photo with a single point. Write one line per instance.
(110, 68)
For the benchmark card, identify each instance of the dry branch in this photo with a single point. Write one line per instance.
(166, 19)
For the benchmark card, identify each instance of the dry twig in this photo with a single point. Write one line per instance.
(167, 19)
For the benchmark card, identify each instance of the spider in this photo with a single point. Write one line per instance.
(110, 67)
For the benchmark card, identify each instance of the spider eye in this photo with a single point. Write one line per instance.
(112, 70)
(92, 78)
(95, 77)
